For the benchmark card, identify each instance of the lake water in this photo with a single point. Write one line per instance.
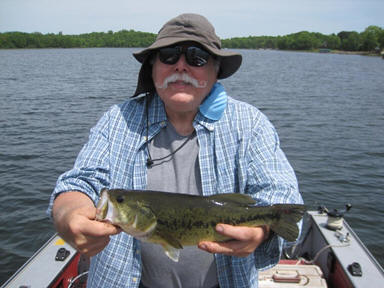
(328, 110)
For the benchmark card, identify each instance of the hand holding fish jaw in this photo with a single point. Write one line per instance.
(74, 218)
(89, 236)
(245, 240)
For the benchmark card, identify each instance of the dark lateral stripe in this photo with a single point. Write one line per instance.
(186, 223)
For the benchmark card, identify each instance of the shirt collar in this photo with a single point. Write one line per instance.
(156, 110)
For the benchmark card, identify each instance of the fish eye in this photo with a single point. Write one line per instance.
(120, 199)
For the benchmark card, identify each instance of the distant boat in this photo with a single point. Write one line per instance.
(330, 254)
(324, 50)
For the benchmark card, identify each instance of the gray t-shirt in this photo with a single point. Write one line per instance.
(178, 173)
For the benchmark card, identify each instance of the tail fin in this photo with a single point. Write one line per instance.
(289, 215)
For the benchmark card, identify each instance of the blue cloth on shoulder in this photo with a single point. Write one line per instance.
(214, 104)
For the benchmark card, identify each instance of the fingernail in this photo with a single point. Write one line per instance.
(203, 246)
(219, 228)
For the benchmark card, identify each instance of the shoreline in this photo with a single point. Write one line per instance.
(362, 53)
(326, 51)
(339, 52)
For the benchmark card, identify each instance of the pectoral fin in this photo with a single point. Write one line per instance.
(169, 240)
(170, 245)
(171, 252)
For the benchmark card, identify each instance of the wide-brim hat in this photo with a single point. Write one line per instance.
(186, 28)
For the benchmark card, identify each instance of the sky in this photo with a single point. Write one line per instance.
(239, 18)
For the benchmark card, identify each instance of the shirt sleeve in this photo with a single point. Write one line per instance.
(90, 172)
(271, 180)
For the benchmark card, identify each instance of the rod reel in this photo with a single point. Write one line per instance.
(335, 217)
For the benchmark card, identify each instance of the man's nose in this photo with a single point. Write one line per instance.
(181, 64)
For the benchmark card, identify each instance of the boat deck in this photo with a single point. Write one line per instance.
(324, 258)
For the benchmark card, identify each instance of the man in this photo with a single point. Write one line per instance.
(184, 136)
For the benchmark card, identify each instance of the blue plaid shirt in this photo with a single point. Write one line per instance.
(239, 153)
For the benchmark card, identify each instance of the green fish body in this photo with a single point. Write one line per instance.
(176, 220)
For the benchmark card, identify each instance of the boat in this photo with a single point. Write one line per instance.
(324, 50)
(328, 254)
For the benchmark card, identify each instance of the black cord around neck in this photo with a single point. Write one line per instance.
(151, 161)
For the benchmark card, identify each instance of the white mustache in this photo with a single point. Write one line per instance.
(181, 77)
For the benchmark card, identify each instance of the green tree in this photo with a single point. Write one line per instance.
(380, 39)
(332, 42)
(350, 41)
(370, 38)
(304, 41)
(5, 41)
(282, 42)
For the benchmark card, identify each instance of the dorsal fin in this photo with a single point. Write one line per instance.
(232, 198)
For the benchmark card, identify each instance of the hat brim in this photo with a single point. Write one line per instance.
(229, 61)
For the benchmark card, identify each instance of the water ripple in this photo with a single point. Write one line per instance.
(327, 109)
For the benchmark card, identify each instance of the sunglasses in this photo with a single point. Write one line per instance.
(194, 56)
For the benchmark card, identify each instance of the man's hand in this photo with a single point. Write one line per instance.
(74, 214)
(246, 240)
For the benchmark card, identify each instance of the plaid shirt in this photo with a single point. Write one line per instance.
(239, 153)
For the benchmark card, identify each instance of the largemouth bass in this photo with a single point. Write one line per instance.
(176, 220)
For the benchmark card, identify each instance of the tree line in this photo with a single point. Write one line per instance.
(123, 38)
(370, 40)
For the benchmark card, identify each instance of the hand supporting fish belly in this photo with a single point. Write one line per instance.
(176, 220)
(244, 240)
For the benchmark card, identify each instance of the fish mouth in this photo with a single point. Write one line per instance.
(104, 209)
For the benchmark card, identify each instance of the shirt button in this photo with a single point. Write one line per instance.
(134, 279)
